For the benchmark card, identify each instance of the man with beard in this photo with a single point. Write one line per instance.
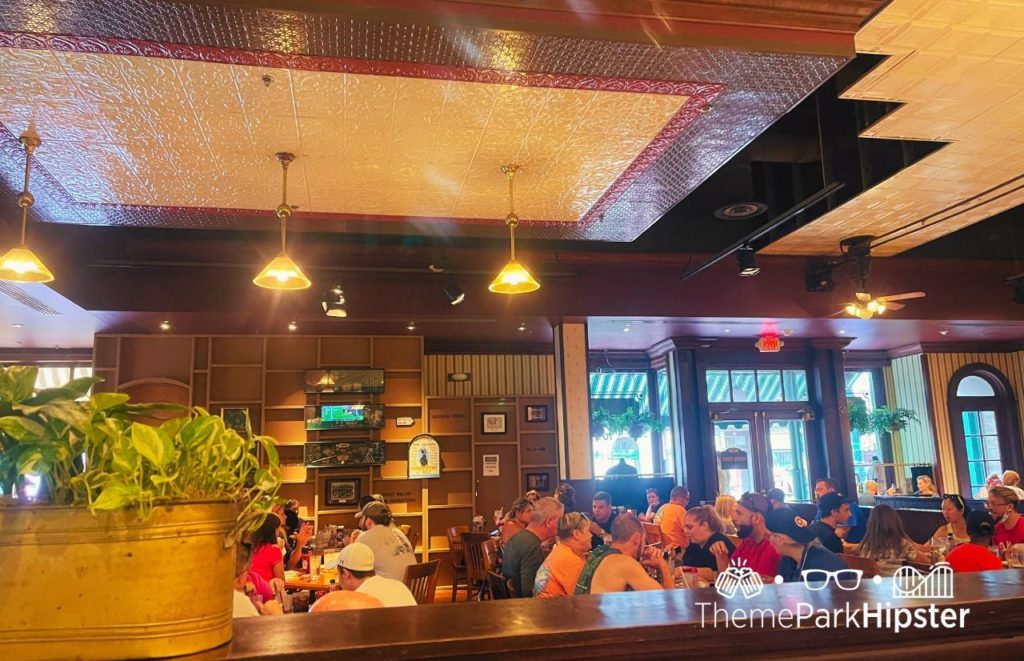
(754, 550)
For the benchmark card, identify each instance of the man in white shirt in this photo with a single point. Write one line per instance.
(391, 548)
(355, 572)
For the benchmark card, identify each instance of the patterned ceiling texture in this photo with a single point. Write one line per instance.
(958, 68)
(152, 115)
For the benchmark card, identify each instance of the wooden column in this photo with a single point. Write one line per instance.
(833, 455)
(572, 401)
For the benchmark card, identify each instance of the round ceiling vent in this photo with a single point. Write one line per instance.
(741, 211)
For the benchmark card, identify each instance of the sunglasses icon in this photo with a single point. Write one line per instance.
(817, 579)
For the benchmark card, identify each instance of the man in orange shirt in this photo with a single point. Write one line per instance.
(558, 574)
(672, 514)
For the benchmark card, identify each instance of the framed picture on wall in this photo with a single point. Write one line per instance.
(341, 491)
(493, 423)
(538, 482)
(536, 413)
(235, 418)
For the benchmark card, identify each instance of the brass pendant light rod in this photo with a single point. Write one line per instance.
(284, 211)
(25, 199)
(511, 219)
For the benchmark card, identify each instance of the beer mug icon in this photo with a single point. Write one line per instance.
(738, 578)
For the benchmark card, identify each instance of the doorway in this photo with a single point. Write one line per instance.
(761, 450)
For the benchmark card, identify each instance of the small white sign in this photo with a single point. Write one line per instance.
(491, 465)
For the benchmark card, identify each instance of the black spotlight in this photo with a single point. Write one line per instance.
(454, 293)
(333, 302)
(748, 261)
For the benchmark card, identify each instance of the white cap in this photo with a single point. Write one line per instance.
(356, 556)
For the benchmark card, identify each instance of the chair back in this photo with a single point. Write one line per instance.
(405, 528)
(866, 565)
(455, 545)
(652, 533)
(414, 539)
(421, 579)
(500, 587)
(477, 565)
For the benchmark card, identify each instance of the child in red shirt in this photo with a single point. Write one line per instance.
(975, 556)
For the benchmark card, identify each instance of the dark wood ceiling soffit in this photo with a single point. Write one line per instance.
(757, 87)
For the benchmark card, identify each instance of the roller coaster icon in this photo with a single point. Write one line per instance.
(909, 583)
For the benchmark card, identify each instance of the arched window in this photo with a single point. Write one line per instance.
(983, 421)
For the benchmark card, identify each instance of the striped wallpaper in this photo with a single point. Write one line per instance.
(941, 367)
(916, 443)
(492, 375)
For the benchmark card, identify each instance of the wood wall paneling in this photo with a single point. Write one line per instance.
(491, 375)
(573, 389)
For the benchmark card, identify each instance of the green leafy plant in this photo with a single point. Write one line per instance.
(631, 421)
(97, 453)
(879, 421)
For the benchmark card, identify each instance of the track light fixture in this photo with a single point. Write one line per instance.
(333, 302)
(454, 293)
(747, 259)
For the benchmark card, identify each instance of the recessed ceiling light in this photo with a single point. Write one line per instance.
(411, 326)
(165, 325)
(292, 326)
(726, 330)
(17, 325)
(842, 332)
(625, 329)
(943, 332)
(522, 327)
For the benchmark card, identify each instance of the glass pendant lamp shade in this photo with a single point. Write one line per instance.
(19, 264)
(514, 278)
(282, 273)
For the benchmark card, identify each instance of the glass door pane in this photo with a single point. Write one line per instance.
(734, 435)
(787, 456)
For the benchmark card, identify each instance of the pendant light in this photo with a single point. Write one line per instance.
(282, 273)
(514, 278)
(19, 264)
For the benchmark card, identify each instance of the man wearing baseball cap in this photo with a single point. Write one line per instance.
(355, 573)
(390, 547)
(797, 546)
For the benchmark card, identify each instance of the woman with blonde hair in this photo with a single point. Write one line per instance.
(925, 486)
(725, 505)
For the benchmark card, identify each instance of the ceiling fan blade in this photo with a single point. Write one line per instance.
(863, 296)
(904, 296)
(894, 306)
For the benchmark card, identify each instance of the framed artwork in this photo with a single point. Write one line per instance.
(341, 491)
(361, 452)
(536, 413)
(493, 423)
(235, 418)
(538, 482)
(332, 380)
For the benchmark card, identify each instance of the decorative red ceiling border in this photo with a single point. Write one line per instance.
(699, 98)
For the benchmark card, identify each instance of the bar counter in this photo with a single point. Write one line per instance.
(662, 624)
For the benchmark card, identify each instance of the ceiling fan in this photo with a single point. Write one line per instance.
(857, 250)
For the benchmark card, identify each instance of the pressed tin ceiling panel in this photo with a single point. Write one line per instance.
(750, 90)
(958, 68)
(148, 131)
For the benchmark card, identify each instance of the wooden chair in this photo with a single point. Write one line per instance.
(868, 566)
(474, 546)
(458, 558)
(414, 539)
(652, 534)
(405, 528)
(421, 579)
(499, 586)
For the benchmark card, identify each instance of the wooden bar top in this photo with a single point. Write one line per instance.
(652, 624)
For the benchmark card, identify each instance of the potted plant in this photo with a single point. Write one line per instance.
(600, 422)
(857, 409)
(634, 423)
(127, 550)
(884, 419)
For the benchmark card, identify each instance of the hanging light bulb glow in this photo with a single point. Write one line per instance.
(514, 278)
(19, 264)
(282, 273)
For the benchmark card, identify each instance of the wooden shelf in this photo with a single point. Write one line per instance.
(221, 401)
(495, 443)
(293, 481)
(402, 371)
(537, 431)
(539, 466)
(285, 371)
(290, 445)
(468, 469)
(449, 433)
(440, 549)
(346, 511)
(403, 406)
(284, 408)
(213, 365)
(395, 479)
(467, 506)
(406, 514)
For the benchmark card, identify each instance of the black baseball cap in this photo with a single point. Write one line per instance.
(755, 502)
(785, 522)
